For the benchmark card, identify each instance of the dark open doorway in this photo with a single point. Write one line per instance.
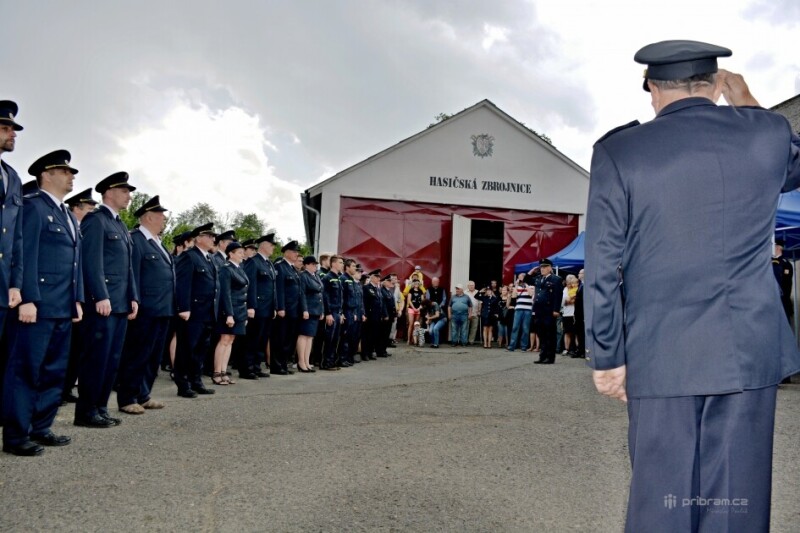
(486, 252)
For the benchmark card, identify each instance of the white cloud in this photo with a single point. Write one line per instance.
(197, 155)
(493, 34)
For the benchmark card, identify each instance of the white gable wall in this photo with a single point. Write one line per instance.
(403, 173)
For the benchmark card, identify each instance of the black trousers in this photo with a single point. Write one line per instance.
(580, 333)
(284, 342)
(75, 350)
(351, 332)
(34, 377)
(102, 352)
(382, 343)
(332, 334)
(193, 342)
(141, 356)
(259, 331)
(370, 337)
(546, 329)
(317, 345)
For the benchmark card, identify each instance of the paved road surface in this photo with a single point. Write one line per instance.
(428, 440)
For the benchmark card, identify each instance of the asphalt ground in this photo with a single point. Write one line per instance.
(428, 440)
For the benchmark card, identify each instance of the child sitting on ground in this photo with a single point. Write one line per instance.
(418, 335)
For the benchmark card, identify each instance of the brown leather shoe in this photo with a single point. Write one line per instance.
(153, 404)
(132, 409)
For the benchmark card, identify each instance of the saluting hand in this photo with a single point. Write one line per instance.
(27, 313)
(134, 310)
(611, 382)
(14, 298)
(79, 310)
(103, 307)
(735, 89)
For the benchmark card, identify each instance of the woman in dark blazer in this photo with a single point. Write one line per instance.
(311, 291)
(233, 283)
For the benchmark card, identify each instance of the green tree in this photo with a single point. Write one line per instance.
(138, 199)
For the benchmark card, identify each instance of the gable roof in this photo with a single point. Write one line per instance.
(791, 110)
(487, 104)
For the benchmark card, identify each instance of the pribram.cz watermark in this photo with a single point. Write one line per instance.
(736, 505)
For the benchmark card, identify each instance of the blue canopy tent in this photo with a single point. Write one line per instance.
(571, 257)
(787, 221)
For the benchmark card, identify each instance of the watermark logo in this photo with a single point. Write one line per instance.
(670, 501)
(710, 505)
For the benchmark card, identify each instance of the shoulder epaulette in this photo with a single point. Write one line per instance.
(617, 130)
(279, 261)
(32, 194)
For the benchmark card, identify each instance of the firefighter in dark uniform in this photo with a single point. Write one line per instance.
(80, 204)
(352, 310)
(197, 289)
(332, 295)
(11, 221)
(52, 292)
(784, 273)
(262, 298)
(219, 257)
(389, 311)
(373, 310)
(112, 299)
(284, 328)
(154, 272)
(547, 306)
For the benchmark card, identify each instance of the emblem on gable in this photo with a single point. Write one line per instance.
(482, 145)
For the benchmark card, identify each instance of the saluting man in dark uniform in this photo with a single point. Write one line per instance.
(111, 296)
(154, 274)
(784, 273)
(80, 205)
(197, 289)
(262, 298)
(679, 229)
(332, 302)
(547, 306)
(52, 292)
(284, 329)
(11, 222)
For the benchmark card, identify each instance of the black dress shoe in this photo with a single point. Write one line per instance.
(114, 421)
(329, 368)
(280, 372)
(540, 362)
(51, 439)
(203, 390)
(95, 421)
(577, 356)
(248, 375)
(382, 355)
(188, 393)
(345, 364)
(261, 374)
(69, 398)
(26, 449)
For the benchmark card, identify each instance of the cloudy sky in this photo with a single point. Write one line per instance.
(245, 103)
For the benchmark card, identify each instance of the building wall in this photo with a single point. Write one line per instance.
(552, 183)
(398, 235)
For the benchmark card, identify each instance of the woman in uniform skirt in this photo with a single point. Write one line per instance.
(311, 290)
(233, 283)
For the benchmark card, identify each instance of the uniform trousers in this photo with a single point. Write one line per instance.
(192, 346)
(34, 378)
(284, 341)
(332, 333)
(5, 346)
(546, 330)
(351, 332)
(99, 362)
(75, 351)
(317, 345)
(258, 334)
(141, 356)
(369, 338)
(382, 342)
(701, 463)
